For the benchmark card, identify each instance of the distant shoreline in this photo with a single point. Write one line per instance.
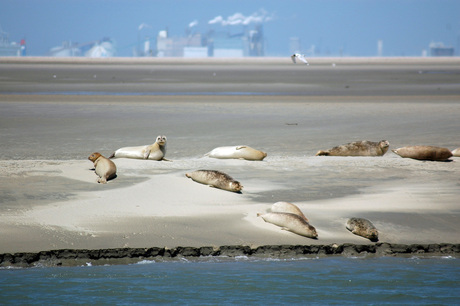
(77, 257)
(223, 61)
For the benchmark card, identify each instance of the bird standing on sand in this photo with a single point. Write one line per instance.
(300, 57)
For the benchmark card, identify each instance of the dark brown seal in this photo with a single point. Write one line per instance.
(358, 148)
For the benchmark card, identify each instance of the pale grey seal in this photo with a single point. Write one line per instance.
(237, 152)
(287, 207)
(155, 151)
(290, 222)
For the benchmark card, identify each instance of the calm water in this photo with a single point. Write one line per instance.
(332, 280)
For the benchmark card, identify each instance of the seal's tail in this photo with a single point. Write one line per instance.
(113, 155)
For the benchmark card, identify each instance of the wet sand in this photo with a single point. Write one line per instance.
(55, 114)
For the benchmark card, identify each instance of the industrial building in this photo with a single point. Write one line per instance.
(212, 44)
(439, 49)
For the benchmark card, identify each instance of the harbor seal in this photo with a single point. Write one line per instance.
(290, 222)
(358, 148)
(363, 227)
(456, 152)
(424, 153)
(287, 207)
(104, 167)
(215, 179)
(155, 151)
(237, 152)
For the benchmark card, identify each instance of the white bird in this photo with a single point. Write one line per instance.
(300, 57)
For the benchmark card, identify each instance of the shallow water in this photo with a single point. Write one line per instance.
(331, 280)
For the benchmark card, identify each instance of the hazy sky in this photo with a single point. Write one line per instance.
(406, 27)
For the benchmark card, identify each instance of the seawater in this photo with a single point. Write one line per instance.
(225, 281)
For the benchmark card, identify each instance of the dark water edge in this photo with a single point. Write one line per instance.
(116, 256)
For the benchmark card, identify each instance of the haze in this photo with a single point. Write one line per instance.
(331, 28)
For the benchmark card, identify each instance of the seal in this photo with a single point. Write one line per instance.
(215, 179)
(104, 167)
(358, 148)
(237, 152)
(456, 152)
(290, 222)
(155, 151)
(287, 207)
(363, 227)
(424, 153)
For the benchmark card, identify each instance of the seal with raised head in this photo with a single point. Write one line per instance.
(290, 222)
(424, 153)
(456, 152)
(363, 227)
(358, 148)
(287, 207)
(104, 167)
(155, 151)
(215, 179)
(237, 152)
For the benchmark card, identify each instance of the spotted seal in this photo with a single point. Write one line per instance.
(363, 227)
(358, 148)
(215, 179)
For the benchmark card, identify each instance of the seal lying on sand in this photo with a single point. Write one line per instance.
(424, 153)
(363, 227)
(456, 152)
(238, 152)
(215, 179)
(104, 167)
(358, 148)
(287, 207)
(155, 151)
(290, 222)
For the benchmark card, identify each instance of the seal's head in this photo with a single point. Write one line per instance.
(94, 156)
(236, 186)
(314, 234)
(161, 140)
(373, 235)
(384, 145)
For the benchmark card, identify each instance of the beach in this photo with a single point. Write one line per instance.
(54, 114)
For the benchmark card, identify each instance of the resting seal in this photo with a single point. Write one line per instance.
(290, 222)
(456, 152)
(215, 179)
(104, 167)
(238, 152)
(424, 153)
(363, 227)
(358, 148)
(155, 151)
(287, 207)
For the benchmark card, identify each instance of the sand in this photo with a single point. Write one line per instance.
(50, 199)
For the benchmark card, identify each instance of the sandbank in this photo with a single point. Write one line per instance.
(50, 198)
